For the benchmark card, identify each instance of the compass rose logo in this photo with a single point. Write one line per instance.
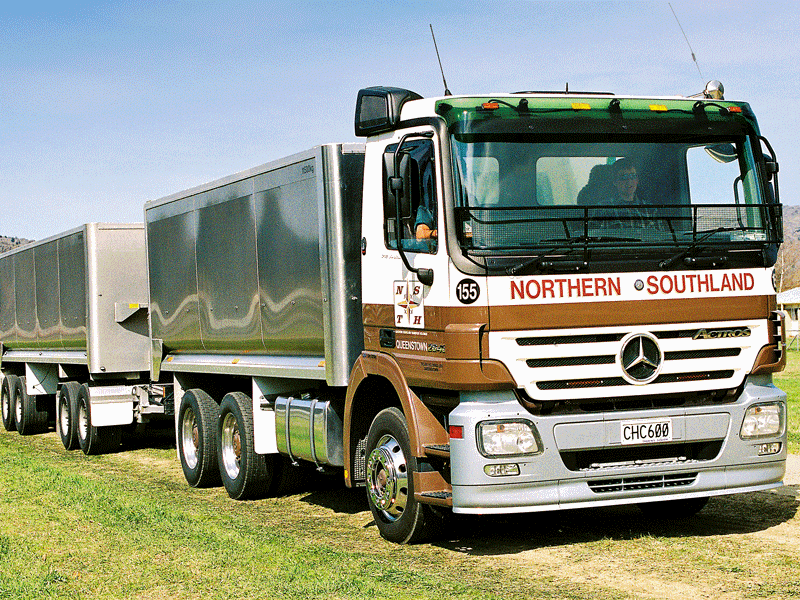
(408, 304)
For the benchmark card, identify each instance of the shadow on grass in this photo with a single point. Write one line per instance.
(511, 534)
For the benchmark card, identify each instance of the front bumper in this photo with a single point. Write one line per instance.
(546, 483)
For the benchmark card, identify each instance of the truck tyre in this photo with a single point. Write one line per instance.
(94, 440)
(66, 421)
(245, 474)
(7, 402)
(30, 420)
(390, 481)
(197, 439)
(673, 509)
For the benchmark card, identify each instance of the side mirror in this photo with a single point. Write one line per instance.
(402, 185)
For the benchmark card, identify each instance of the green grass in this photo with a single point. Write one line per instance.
(126, 526)
(789, 381)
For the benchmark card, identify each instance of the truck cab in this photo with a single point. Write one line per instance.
(571, 298)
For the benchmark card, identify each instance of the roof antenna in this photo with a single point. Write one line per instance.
(694, 58)
(447, 92)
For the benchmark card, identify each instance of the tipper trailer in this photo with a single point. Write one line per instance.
(498, 304)
(74, 334)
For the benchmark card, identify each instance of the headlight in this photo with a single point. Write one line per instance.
(762, 420)
(508, 438)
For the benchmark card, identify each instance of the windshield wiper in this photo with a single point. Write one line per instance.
(695, 245)
(566, 245)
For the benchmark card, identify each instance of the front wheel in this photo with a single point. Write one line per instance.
(390, 480)
(245, 474)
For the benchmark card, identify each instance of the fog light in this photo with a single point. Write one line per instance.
(501, 470)
(767, 449)
(762, 420)
(508, 438)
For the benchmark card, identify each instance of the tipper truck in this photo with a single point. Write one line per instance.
(497, 304)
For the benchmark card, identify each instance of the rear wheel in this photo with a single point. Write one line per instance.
(66, 421)
(197, 438)
(7, 404)
(245, 474)
(390, 481)
(94, 440)
(30, 419)
(673, 509)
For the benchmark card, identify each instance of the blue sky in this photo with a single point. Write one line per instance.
(107, 104)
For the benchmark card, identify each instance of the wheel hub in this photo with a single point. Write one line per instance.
(387, 478)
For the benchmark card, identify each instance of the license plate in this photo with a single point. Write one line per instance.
(645, 431)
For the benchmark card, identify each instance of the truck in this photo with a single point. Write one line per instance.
(498, 303)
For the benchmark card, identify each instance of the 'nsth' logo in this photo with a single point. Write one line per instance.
(715, 334)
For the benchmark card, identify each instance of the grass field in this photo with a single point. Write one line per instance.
(789, 381)
(125, 525)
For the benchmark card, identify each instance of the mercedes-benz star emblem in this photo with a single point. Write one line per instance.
(640, 358)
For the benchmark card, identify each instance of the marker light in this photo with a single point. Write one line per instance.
(762, 420)
(456, 432)
(580, 106)
(658, 108)
(490, 106)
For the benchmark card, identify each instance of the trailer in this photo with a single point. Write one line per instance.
(74, 331)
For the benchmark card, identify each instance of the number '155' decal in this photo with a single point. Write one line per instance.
(467, 291)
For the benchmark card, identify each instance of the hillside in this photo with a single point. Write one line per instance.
(7, 243)
(788, 266)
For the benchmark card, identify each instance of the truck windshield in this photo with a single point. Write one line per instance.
(518, 196)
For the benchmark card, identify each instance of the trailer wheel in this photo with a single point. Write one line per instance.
(7, 404)
(673, 509)
(30, 419)
(390, 481)
(94, 440)
(66, 421)
(197, 438)
(245, 474)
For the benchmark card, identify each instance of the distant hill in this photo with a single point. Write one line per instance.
(8, 243)
(788, 266)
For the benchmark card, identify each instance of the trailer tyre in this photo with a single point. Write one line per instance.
(390, 481)
(66, 420)
(245, 474)
(94, 440)
(7, 402)
(30, 420)
(197, 439)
